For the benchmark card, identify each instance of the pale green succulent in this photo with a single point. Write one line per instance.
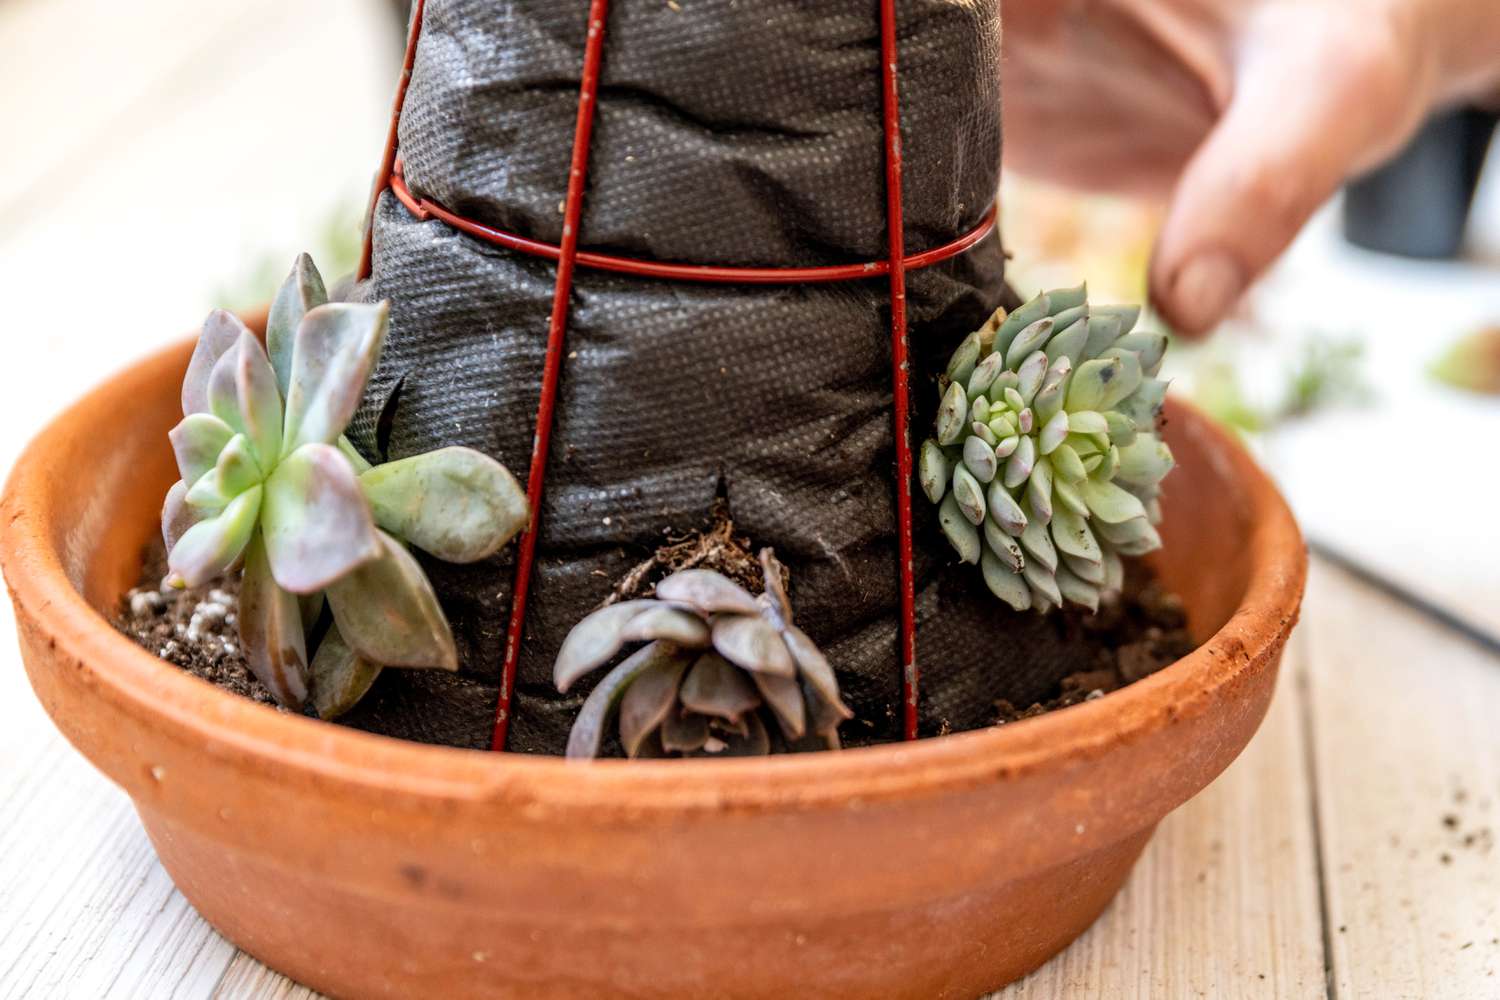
(718, 665)
(1046, 464)
(269, 483)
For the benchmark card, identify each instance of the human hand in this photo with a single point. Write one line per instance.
(1245, 114)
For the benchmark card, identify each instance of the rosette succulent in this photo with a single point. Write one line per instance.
(269, 483)
(718, 665)
(1046, 463)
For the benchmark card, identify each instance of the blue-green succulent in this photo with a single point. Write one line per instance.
(270, 485)
(1046, 464)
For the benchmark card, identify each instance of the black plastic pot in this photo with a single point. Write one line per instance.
(1417, 205)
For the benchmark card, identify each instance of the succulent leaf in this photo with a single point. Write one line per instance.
(1104, 329)
(707, 591)
(1125, 383)
(340, 677)
(979, 459)
(1069, 344)
(270, 627)
(360, 463)
(455, 503)
(648, 700)
(1145, 461)
(662, 621)
(754, 742)
(1005, 583)
(961, 533)
(594, 641)
(968, 494)
(1004, 546)
(716, 687)
(1072, 535)
(932, 471)
(1149, 347)
(1042, 583)
(176, 516)
(317, 522)
(259, 399)
(221, 331)
(337, 347)
(1036, 309)
(816, 670)
(233, 473)
(1027, 341)
(302, 292)
(588, 729)
(196, 443)
(775, 593)
(1005, 510)
(684, 732)
(952, 413)
(1108, 503)
(1037, 541)
(1076, 590)
(388, 613)
(224, 389)
(961, 365)
(784, 696)
(1089, 572)
(751, 643)
(209, 548)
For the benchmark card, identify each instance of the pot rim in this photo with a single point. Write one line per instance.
(228, 725)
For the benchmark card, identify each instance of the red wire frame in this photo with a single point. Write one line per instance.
(568, 256)
(900, 365)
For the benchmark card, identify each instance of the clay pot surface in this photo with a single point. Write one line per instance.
(365, 866)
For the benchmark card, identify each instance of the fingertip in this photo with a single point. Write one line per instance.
(1195, 294)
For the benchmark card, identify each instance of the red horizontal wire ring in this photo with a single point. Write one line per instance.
(425, 209)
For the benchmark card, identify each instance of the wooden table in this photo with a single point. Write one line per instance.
(1348, 853)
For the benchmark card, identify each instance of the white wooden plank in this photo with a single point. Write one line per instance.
(1224, 903)
(247, 979)
(1407, 765)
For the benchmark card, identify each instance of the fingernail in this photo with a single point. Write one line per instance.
(1205, 289)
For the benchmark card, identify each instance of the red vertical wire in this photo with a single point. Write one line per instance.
(593, 54)
(388, 158)
(900, 366)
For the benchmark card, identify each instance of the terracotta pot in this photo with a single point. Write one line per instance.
(365, 866)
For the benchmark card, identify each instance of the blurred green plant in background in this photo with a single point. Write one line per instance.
(1324, 371)
(336, 240)
(1472, 363)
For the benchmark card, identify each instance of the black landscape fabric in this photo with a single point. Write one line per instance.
(732, 132)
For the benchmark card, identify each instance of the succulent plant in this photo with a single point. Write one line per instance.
(269, 483)
(717, 660)
(1046, 462)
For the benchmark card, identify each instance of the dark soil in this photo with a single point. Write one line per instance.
(195, 629)
(1132, 638)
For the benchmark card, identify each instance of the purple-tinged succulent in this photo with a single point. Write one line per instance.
(269, 483)
(718, 664)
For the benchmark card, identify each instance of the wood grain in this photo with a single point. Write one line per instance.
(1224, 903)
(1406, 745)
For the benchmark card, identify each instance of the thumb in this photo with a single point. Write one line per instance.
(1315, 100)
